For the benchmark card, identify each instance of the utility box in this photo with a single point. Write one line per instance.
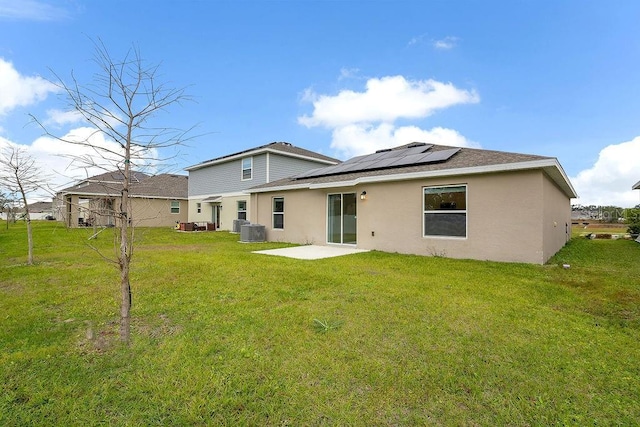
(252, 233)
(237, 223)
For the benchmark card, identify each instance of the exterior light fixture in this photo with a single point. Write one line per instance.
(363, 195)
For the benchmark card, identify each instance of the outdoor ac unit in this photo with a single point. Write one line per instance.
(252, 233)
(237, 223)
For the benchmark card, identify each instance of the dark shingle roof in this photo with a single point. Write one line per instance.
(283, 147)
(463, 159)
(166, 186)
(636, 186)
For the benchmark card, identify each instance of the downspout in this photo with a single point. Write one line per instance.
(268, 168)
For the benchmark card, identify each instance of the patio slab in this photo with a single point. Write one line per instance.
(311, 251)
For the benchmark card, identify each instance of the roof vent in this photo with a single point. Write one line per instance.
(384, 150)
(416, 144)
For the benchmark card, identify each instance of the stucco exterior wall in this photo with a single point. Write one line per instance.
(157, 212)
(145, 212)
(557, 219)
(506, 214)
(304, 216)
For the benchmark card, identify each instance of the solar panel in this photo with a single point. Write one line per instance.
(412, 155)
(442, 155)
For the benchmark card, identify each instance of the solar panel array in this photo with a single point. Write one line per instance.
(384, 159)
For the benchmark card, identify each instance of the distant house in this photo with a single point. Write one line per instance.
(428, 200)
(40, 210)
(217, 187)
(159, 200)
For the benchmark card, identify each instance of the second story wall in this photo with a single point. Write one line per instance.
(226, 177)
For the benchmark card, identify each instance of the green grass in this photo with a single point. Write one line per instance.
(222, 336)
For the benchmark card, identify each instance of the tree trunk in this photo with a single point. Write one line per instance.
(28, 220)
(125, 254)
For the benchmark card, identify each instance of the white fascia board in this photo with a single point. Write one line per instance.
(550, 164)
(303, 186)
(254, 153)
(223, 195)
(636, 186)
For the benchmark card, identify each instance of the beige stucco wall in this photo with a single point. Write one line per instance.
(506, 217)
(145, 212)
(557, 219)
(157, 212)
(228, 213)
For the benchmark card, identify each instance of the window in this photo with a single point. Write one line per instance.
(278, 213)
(199, 207)
(242, 209)
(445, 211)
(247, 168)
(175, 207)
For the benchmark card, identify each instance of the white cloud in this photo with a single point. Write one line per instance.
(446, 43)
(609, 180)
(19, 91)
(31, 10)
(348, 73)
(362, 122)
(59, 117)
(416, 40)
(357, 139)
(386, 100)
(66, 163)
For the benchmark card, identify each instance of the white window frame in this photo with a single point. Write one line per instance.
(173, 206)
(242, 210)
(279, 213)
(445, 211)
(243, 169)
(199, 207)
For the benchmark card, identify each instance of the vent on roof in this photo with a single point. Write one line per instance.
(416, 144)
(384, 150)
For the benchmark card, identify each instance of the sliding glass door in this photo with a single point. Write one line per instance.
(341, 218)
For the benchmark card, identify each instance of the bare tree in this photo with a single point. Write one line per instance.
(20, 175)
(121, 103)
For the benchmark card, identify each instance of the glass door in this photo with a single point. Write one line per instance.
(341, 218)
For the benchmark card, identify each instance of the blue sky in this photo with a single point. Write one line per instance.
(555, 78)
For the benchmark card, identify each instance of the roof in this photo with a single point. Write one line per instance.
(636, 186)
(283, 148)
(162, 186)
(116, 176)
(463, 161)
(40, 207)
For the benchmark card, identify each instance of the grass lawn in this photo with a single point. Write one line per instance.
(222, 336)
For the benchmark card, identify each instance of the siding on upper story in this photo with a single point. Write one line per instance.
(226, 177)
(283, 167)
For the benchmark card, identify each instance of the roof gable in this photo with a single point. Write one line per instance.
(283, 148)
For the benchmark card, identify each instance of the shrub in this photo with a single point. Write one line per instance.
(634, 228)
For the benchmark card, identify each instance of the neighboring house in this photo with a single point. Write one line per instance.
(40, 210)
(159, 200)
(217, 187)
(428, 200)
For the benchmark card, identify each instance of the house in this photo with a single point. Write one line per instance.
(426, 199)
(158, 200)
(40, 210)
(217, 187)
